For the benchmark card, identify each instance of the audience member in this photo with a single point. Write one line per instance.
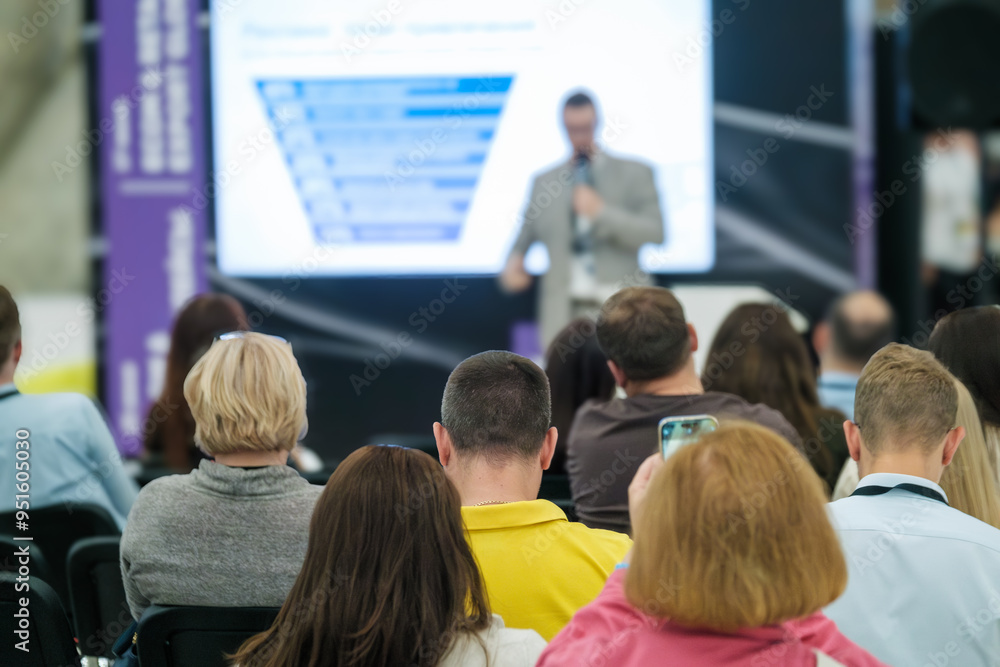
(967, 342)
(857, 325)
(232, 532)
(910, 556)
(389, 578)
(734, 557)
(73, 457)
(757, 355)
(649, 347)
(967, 481)
(169, 438)
(494, 441)
(577, 371)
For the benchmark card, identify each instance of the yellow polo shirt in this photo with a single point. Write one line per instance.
(538, 567)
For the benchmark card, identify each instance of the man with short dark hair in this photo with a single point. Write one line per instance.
(923, 578)
(649, 346)
(494, 440)
(71, 456)
(592, 213)
(857, 325)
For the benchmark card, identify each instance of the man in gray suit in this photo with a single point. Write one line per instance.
(592, 212)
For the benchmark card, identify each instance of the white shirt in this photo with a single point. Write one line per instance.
(924, 578)
(507, 647)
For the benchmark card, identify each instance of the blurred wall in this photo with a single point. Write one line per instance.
(45, 255)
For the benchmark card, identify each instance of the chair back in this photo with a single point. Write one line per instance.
(97, 595)
(41, 627)
(55, 528)
(11, 551)
(197, 636)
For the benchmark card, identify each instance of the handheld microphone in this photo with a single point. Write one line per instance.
(581, 170)
(581, 223)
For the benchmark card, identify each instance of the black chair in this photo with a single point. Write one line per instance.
(10, 551)
(97, 595)
(45, 628)
(55, 528)
(554, 487)
(197, 636)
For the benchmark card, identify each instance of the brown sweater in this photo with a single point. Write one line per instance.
(611, 438)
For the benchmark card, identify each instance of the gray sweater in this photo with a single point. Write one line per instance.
(219, 536)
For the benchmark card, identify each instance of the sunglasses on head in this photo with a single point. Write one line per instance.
(232, 335)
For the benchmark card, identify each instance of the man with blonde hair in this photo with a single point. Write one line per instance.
(924, 578)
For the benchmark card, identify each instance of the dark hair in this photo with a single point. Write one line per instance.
(578, 99)
(758, 355)
(388, 577)
(967, 342)
(578, 371)
(643, 330)
(497, 404)
(10, 324)
(170, 427)
(857, 341)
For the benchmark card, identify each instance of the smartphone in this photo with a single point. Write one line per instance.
(676, 432)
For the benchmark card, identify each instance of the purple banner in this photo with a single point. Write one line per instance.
(152, 165)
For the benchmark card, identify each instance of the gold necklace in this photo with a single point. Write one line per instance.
(493, 502)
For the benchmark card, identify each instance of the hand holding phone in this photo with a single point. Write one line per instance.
(677, 432)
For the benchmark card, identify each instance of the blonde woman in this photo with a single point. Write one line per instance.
(734, 557)
(968, 481)
(232, 532)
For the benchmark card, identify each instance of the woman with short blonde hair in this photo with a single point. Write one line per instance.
(233, 531)
(247, 395)
(734, 558)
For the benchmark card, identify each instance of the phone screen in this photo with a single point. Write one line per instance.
(677, 432)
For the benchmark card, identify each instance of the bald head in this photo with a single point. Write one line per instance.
(857, 325)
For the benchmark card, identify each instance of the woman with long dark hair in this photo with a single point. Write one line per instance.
(771, 365)
(967, 342)
(578, 372)
(388, 578)
(169, 429)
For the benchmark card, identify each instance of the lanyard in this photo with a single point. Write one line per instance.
(915, 488)
(13, 392)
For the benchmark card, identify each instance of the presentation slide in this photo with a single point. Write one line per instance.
(401, 137)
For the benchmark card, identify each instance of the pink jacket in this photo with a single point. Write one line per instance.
(610, 632)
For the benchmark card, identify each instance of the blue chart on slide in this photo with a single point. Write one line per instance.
(385, 160)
